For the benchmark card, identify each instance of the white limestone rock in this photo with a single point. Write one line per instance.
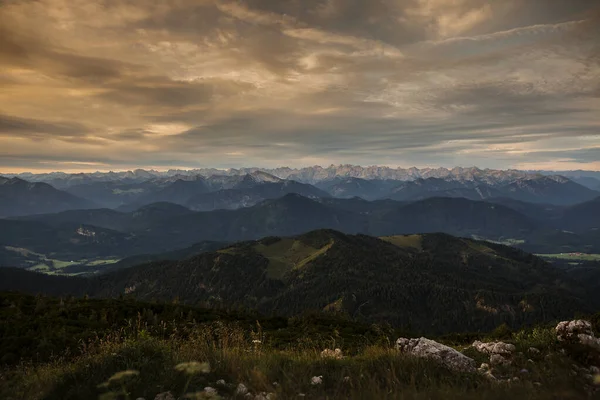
(432, 350)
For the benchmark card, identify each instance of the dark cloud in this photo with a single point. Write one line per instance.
(229, 83)
(29, 127)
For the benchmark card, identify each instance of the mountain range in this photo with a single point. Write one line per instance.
(429, 282)
(313, 174)
(164, 227)
(19, 197)
(207, 193)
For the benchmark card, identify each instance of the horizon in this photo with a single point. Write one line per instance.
(184, 169)
(106, 85)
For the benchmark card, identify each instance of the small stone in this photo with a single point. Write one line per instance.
(221, 382)
(316, 380)
(210, 390)
(497, 359)
(241, 389)
(537, 384)
(594, 370)
(531, 361)
(494, 348)
(533, 350)
(490, 376)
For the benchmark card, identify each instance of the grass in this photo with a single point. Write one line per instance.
(572, 256)
(287, 254)
(43, 263)
(374, 372)
(413, 241)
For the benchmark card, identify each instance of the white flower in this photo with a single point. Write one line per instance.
(316, 380)
(256, 341)
(346, 379)
(335, 354)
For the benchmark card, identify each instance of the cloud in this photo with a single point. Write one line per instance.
(265, 82)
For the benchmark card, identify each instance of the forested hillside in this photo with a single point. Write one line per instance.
(432, 283)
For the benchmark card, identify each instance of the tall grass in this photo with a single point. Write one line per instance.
(242, 356)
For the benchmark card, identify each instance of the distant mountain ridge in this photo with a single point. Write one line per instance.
(19, 197)
(308, 174)
(164, 227)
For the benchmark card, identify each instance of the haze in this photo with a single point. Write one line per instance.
(99, 85)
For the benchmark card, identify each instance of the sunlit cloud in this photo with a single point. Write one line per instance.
(181, 83)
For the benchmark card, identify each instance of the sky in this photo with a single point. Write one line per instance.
(122, 84)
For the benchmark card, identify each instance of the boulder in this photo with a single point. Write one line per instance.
(566, 330)
(432, 350)
(578, 331)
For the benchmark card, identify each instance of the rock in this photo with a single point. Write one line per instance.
(241, 389)
(537, 384)
(494, 348)
(531, 361)
(316, 380)
(578, 331)
(140, 398)
(484, 367)
(497, 359)
(164, 396)
(221, 382)
(590, 341)
(430, 349)
(335, 354)
(594, 370)
(567, 330)
(490, 376)
(210, 390)
(533, 350)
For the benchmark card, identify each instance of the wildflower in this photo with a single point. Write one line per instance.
(316, 380)
(123, 375)
(193, 367)
(241, 389)
(335, 354)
